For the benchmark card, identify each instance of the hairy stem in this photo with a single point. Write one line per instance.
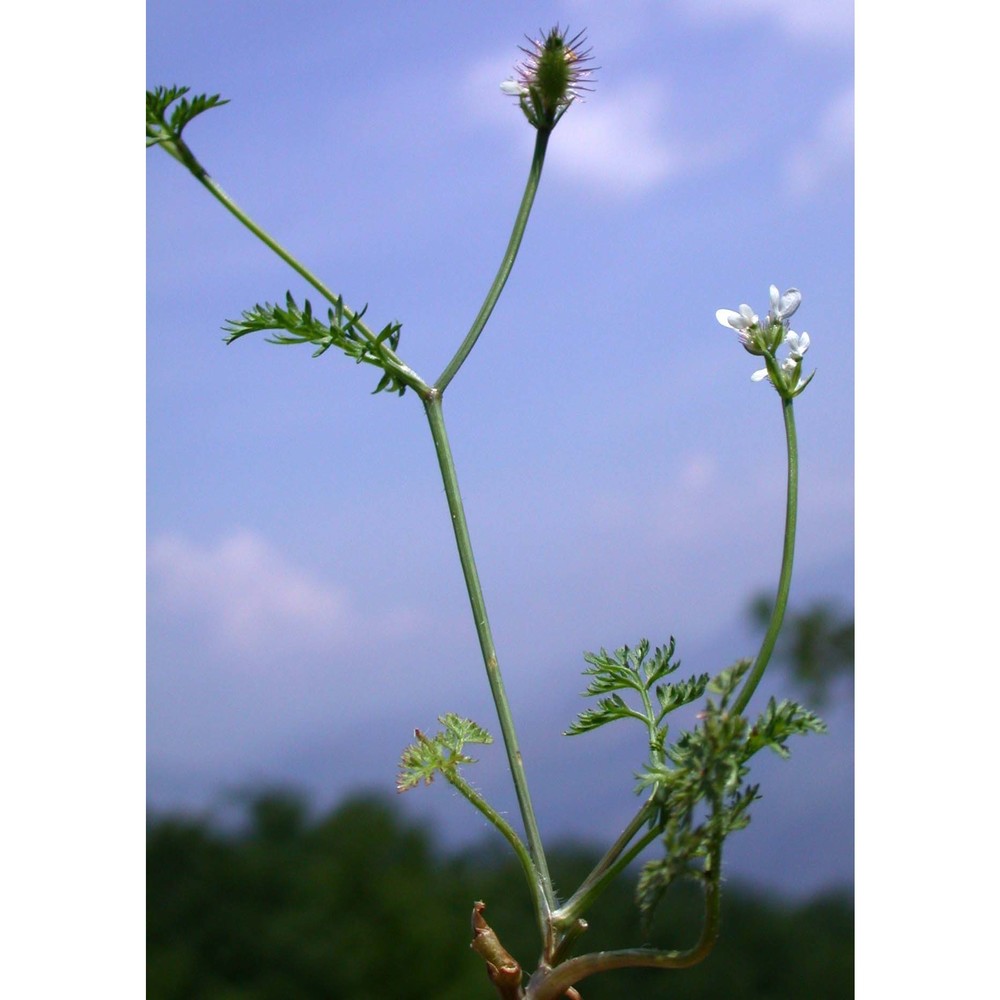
(655, 747)
(787, 554)
(534, 176)
(512, 838)
(544, 897)
(606, 869)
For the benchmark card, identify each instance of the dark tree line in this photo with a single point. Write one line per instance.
(361, 905)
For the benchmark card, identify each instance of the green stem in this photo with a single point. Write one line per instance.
(178, 149)
(615, 860)
(785, 577)
(655, 738)
(534, 176)
(512, 838)
(604, 870)
(540, 872)
(599, 879)
(551, 984)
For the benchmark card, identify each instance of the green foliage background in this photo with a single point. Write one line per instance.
(361, 904)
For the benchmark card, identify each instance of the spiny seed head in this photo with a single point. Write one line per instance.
(552, 77)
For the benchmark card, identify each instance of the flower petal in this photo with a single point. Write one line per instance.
(798, 344)
(788, 303)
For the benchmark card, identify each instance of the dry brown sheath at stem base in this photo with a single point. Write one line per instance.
(502, 968)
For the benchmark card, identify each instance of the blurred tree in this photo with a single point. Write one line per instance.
(359, 905)
(815, 645)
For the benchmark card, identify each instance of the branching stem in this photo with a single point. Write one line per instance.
(558, 927)
(551, 984)
(178, 149)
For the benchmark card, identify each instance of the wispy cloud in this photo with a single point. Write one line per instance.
(617, 145)
(250, 597)
(815, 20)
(685, 508)
(828, 153)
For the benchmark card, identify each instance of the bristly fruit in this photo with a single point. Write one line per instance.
(551, 78)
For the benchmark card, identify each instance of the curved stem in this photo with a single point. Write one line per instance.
(512, 838)
(785, 576)
(534, 176)
(552, 984)
(435, 416)
(178, 149)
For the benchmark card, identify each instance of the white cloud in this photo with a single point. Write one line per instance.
(816, 20)
(682, 507)
(616, 145)
(828, 153)
(253, 599)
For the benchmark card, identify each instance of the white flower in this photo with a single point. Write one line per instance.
(765, 338)
(789, 369)
(746, 323)
(798, 344)
(782, 306)
(742, 320)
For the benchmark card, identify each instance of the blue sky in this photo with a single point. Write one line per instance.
(622, 475)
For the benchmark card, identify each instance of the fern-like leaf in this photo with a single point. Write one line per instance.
(699, 782)
(341, 330)
(779, 721)
(635, 669)
(442, 753)
(165, 123)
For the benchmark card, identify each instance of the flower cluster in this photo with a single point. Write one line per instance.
(551, 78)
(764, 338)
